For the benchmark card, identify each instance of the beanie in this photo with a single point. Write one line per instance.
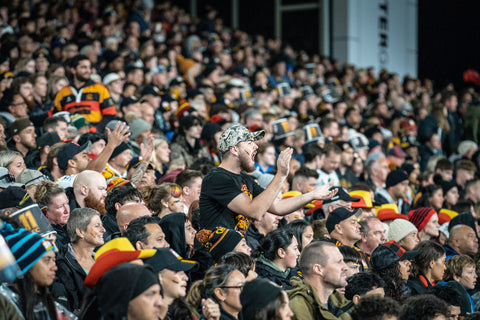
(395, 177)
(219, 241)
(27, 247)
(209, 130)
(264, 289)
(138, 126)
(420, 217)
(399, 229)
(446, 215)
(122, 147)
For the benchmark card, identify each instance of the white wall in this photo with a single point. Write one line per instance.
(378, 33)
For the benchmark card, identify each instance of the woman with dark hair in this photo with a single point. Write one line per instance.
(277, 256)
(164, 199)
(450, 191)
(431, 196)
(428, 267)
(223, 284)
(30, 293)
(274, 304)
(179, 233)
(242, 262)
(392, 263)
(186, 145)
(303, 232)
(210, 136)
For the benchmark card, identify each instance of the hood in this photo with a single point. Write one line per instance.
(173, 225)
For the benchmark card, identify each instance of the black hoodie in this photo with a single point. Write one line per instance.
(173, 225)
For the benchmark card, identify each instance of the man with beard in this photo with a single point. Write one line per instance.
(229, 197)
(83, 96)
(23, 136)
(72, 159)
(89, 191)
(324, 271)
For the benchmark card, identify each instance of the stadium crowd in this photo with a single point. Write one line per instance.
(157, 165)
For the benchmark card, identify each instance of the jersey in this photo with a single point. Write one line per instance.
(92, 101)
(219, 188)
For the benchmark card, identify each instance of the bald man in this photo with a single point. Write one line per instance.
(130, 212)
(462, 240)
(90, 190)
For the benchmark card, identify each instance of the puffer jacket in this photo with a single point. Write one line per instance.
(306, 305)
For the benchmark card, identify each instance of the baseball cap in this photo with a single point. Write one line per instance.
(166, 258)
(342, 194)
(388, 253)
(109, 78)
(111, 254)
(14, 197)
(7, 180)
(30, 177)
(236, 134)
(19, 125)
(338, 215)
(397, 152)
(70, 150)
(128, 101)
(48, 139)
(344, 145)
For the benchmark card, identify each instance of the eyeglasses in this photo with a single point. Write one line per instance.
(19, 104)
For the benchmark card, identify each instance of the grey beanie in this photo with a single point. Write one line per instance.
(399, 229)
(138, 126)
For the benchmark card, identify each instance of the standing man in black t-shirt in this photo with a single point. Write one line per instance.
(229, 196)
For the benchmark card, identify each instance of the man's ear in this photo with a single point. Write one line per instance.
(355, 299)
(186, 190)
(16, 138)
(139, 245)
(84, 190)
(71, 163)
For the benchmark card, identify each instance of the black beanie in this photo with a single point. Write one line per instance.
(145, 280)
(122, 147)
(395, 177)
(219, 241)
(252, 291)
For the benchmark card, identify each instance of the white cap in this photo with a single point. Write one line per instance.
(109, 78)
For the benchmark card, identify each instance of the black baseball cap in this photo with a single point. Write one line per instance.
(341, 194)
(48, 139)
(166, 258)
(70, 150)
(338, 215)
(388, 253)
(15, 197)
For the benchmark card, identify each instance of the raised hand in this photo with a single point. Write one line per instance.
(323, 192)
(283, 161)
(119, 134)
(146, 151)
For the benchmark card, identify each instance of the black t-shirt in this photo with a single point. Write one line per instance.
(219, 188)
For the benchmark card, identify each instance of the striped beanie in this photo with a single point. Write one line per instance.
(420, 217)
(219, 241)
(27, 247)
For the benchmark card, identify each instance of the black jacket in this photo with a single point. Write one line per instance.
(253, 237)
(62, 238)
(68, 287)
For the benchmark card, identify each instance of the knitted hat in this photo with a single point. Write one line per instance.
(184, 110)
(465, 146)
(219, 241)
(117, 182)
(420, 217)
(79, 121)
(209, 130)
(27, 247)
(122, 147)
(138, 126)
(395, 177)
(399, 229)
(256, 294)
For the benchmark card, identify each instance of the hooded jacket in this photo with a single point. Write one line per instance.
(173, 225)
(267, 269)
(306, 305)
